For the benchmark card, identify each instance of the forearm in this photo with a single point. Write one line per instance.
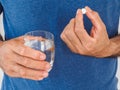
(115, 46)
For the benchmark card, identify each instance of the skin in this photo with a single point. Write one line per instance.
(18, 60)
(96, 44)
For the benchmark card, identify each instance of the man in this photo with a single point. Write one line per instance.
(85, 58)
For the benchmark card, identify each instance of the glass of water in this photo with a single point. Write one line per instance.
(42, 41)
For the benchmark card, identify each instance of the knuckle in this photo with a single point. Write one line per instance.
(63, 36)
(95, 14)
(66, 32)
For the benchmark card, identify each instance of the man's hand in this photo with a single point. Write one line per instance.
(96, 44)
(18, 60)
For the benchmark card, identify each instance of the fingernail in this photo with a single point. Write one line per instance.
(88, 9)
(45, 74)
(42, 57)
(78, 11)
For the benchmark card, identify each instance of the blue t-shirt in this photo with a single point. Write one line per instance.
(70, 71)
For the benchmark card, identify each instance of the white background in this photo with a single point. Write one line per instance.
(1, 73)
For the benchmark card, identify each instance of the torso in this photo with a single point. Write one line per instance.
(70, 71)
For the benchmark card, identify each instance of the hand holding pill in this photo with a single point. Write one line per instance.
(79, 41)
(83, 11)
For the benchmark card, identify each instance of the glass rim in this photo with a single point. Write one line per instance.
(44, 31)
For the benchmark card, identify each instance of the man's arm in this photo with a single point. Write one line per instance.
(116, 39)
(97, 44)
(115, 46)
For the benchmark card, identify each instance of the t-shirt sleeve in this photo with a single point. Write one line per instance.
(1, 8)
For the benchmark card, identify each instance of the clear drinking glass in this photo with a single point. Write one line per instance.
(42, 41)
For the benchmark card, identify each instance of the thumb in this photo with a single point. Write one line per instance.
(94, 17)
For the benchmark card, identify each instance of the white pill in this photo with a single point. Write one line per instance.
(83, 10)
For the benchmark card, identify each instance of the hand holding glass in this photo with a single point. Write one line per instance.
(42, 41)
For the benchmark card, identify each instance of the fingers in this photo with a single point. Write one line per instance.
(94, 17)
(33, 64)
(79, 27)
(16, 70)
(17, 46)
(70, 38)
(99, 28)
(68, 43)
(16, 65)
(64, 36)
(23, 72)
(28, 52)
(77, 38)
(79, 19)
